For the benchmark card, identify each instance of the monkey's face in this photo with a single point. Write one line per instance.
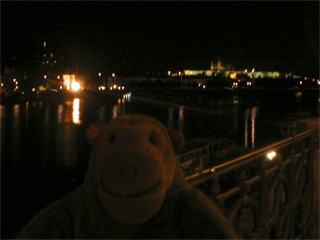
(133, 168)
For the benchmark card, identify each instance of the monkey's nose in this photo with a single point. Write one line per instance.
(129, 172)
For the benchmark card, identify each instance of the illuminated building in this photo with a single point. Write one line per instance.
(228, 72)
(68, 80)
(50, 65)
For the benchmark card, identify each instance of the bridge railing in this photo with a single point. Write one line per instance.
(198, 159)
(267, 193)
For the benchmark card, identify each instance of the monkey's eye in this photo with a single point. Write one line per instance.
(153, 139)
(112, 139)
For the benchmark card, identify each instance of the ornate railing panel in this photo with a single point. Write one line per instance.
(198, 159)
(267, 193)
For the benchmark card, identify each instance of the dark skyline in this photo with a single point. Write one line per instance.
(160, 36)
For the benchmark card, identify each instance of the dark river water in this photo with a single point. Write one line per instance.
(44, 153)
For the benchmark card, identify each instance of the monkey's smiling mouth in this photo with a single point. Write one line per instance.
(135, 195)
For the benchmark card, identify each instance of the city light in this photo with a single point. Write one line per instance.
(271, 155)
(75, 86)
(233, 75)
(235, 85)
(68, 79)
(127, 96)
(99, 74)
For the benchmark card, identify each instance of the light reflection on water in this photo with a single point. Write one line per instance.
(76, 111)
(57, 127)
(250, 119)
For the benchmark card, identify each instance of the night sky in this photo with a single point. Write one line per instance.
(128, 37)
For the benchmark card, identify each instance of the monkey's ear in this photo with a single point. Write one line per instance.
(94, 131)
(177, 140)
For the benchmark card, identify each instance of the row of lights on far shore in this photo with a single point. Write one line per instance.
(114, 87)
(100, 74)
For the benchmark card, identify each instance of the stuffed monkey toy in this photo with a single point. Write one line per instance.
(134, 188)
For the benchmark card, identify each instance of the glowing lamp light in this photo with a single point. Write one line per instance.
(75, 86)
(114, 86)
(271, 155)
(233, 75)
